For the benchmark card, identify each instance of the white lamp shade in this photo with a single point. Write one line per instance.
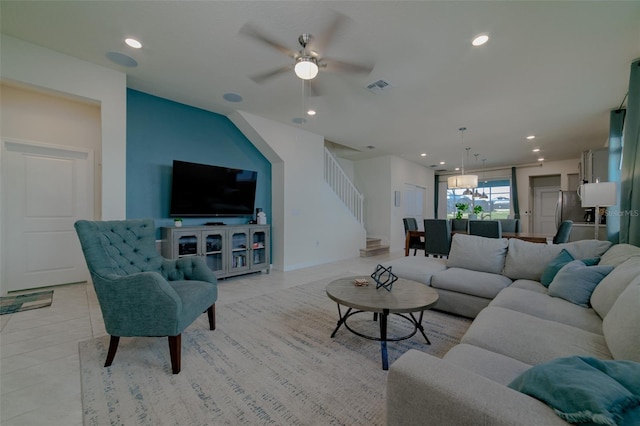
(306, 69)
(601, 194)
(462, 181)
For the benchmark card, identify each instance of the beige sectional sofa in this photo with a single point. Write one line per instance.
(521, 325)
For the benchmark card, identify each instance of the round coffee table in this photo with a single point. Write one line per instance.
(406, 297)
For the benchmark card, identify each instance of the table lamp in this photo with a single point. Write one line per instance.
(599, 194)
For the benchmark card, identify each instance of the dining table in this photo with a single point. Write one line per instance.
(525, 236)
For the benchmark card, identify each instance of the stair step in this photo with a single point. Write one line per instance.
(369, 251)
(373, 242)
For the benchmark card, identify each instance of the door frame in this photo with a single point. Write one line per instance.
(4, 141)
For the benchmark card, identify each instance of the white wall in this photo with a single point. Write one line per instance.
(43, 68)
(378, 178)
(310, 225)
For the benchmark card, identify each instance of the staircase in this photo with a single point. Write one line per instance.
(373, 248)
(352, 199)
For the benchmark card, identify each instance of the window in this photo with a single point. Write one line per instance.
(496, 204)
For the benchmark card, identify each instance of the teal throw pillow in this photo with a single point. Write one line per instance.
(576, 281)
(556, 264)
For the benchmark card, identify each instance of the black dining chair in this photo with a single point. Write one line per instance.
(563, 233)
(485, 228)
(415, 243)
(437, 237)
(510, 225)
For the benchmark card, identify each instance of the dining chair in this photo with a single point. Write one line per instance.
(437, 237)
(485, 228)
(563, 233)
(415, 243)
(510, 225)
(141, 293)
(460, 225)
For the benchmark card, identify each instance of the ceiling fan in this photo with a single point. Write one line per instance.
(309, 59)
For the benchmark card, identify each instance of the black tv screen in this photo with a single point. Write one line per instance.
(200, 190)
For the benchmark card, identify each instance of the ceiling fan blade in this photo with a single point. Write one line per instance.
(335, 65)
(262, 77)
(322, 41)
(256, 33)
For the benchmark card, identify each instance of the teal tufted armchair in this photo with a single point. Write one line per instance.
(141, 293)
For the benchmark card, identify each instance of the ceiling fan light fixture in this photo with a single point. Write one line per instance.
(306, 68)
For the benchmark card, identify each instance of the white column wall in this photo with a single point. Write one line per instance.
(310, 225)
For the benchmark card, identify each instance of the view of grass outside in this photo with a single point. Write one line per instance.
(496, 205)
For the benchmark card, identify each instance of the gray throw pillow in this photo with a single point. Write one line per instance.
(477, 253)
(576, 281)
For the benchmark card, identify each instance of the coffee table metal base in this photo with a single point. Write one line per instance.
(383, 338)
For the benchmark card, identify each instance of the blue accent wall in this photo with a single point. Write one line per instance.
(160, 131)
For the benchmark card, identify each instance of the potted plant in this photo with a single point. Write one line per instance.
(476, 211)
(177, 222)
(462, 207)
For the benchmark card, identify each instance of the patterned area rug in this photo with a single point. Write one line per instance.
(25, 302)
(270, 361)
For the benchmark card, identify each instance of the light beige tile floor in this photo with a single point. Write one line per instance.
(39, 363)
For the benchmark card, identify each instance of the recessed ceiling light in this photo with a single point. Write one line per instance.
(480, 40)
(424, 154)
(456, 169)
(530, 137)
(536, 150)
(541, 159)
(311, 112)
(232, 97)
(442, 163)
(133, 43)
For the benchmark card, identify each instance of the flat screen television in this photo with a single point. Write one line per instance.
(200, 190)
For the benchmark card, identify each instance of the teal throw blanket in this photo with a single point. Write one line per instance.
(585, 390)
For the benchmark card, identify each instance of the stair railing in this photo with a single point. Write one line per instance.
(338, 180)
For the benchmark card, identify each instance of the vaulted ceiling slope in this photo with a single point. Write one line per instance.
(552, 69)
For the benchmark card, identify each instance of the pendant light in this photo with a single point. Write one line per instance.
(484, 196)
(462, 181)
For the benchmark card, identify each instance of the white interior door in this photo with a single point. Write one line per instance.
(544, 202)
(46, 189)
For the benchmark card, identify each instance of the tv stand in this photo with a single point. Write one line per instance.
(227, 250)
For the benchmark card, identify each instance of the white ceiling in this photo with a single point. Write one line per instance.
(551, 68)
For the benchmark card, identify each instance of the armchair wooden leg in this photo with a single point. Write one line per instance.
(113, 347)
(175, 347)
(211, 312)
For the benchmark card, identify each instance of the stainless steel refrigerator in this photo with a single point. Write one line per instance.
(569, 207)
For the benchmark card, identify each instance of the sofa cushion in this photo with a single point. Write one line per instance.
(527, 260)
(416, 268)
(558, 262)
(530, 285)
(619, 253)
(584, 249)
(550, 308)
(530, 339)
(576, 281)
(620, 326)
(478, 253)
(607, 292)
(491, 365)
(481, 284)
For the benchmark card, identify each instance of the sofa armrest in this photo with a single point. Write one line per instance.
(425, 390)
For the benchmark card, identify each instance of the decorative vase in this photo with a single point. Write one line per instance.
(177, 223)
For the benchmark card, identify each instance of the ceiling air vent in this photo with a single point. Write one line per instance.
(378, 86)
